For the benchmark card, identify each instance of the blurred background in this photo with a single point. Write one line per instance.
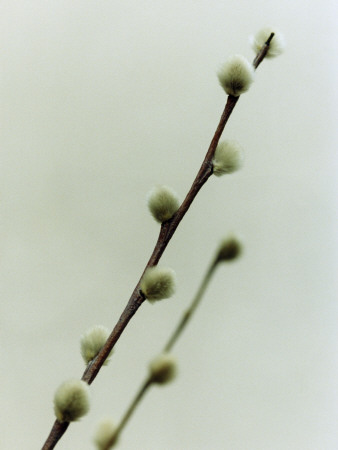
(100, 102)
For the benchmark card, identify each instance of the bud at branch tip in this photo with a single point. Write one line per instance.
(163, 368)
(230, 248)
(276, 46)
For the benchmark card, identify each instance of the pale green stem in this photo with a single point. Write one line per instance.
(138, 397)
(192, 308)
(173, 338)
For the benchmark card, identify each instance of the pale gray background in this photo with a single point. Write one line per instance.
(100, 101)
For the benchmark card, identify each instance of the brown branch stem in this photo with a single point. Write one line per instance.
(55, 434)
(261, 55)
(167, 230)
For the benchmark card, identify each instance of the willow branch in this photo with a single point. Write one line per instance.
(167, 230)
(232, 250)
(148, 381)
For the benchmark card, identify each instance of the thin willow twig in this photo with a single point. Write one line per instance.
(167, 230)
(186, 317)
(148, 381)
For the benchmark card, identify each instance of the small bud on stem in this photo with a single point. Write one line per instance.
(228, 158)
(158, 283)
(163, 203)
(229, 249)
(276, 45)
(105, 436)
(236, 75)
(71, 400)
(163, 368)
(92, 342)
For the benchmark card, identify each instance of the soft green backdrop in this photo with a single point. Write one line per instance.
(100, 101)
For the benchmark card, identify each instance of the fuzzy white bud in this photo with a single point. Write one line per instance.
(163, 203)
(228, 158)
(92, 342)
(236, 75)
(105, 436)
(71, 400)
(163, 368)
(230, 248)
(158, 283)
(277, 43)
